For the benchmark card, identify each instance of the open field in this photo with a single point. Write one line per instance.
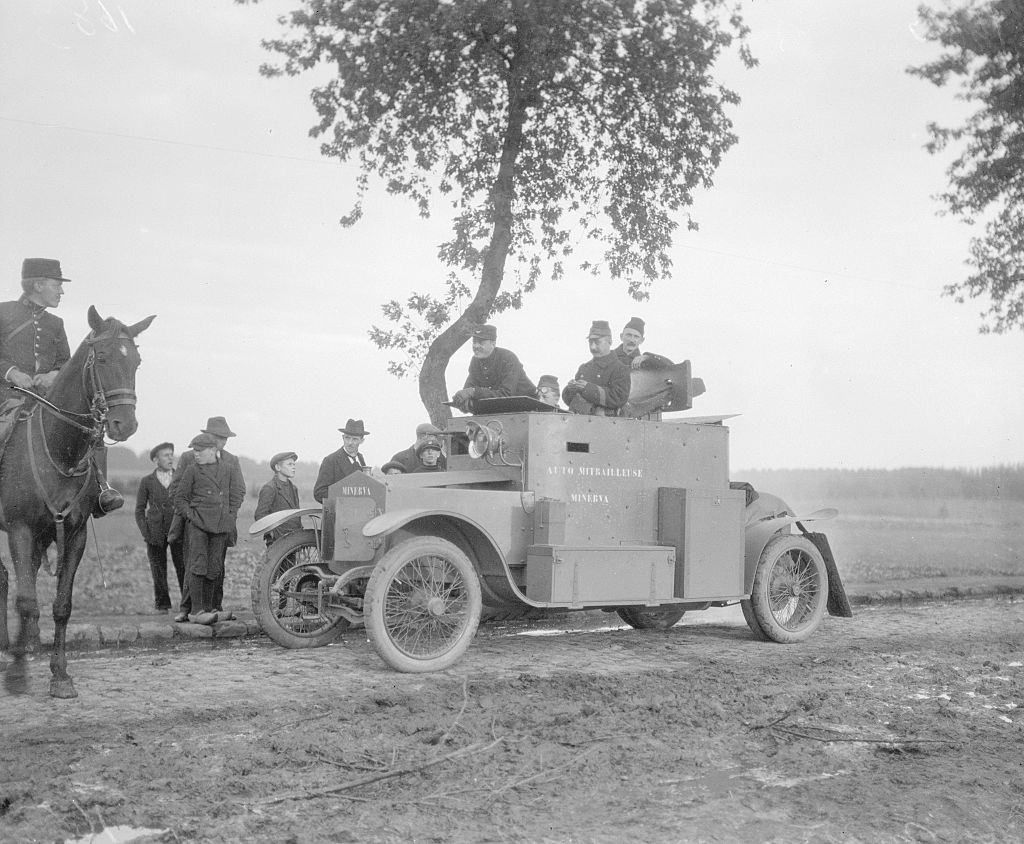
(873, 541)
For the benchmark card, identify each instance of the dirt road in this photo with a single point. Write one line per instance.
(896, 725)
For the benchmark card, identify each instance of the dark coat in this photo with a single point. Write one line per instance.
(653, 361)
(411, 462)
(276, 495)
(497, 375)
(334, 467)
(189, 459)
(31, 339)
(154, 510)
(209, 497)
(607, 388)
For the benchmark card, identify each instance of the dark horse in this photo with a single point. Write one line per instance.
(49, 482)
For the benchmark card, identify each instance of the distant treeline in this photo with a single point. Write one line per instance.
(990, 482)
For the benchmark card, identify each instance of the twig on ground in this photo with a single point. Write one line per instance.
(302, 721)
(478, 747)
(88, 820)
(509, 786)
(448, 733)
(778, 720)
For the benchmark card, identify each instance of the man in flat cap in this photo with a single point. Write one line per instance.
(33, 344)
(216, 427)
(279, 493)
(629, 352)
(407, 457)
(207, 498)
(154, 512)
(493, 372)
(343, 462)
(428, 453)
(601, 385)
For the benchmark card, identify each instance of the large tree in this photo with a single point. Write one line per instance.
(542, 122)
(984, 56)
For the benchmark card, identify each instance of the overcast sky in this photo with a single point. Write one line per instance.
(141, 147)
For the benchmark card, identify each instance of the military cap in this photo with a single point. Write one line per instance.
(484, 332)
(429, 443)
(548, 381)
(636, 324)
(280, 457)
(354, 428)
(218, 426)
(393, 464)
(41, 268)
(600, 328)
(425, 428)
(155, 450)
(201, 441)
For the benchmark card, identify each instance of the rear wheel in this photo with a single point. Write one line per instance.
(790, 589)
(422, 605)
(285, 594)
(657, 618)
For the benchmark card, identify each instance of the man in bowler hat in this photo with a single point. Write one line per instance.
(493, 372)
(407, 457)
(628, 350)
(279, 493)
(343, 462)
(154, 512)
(601, 385)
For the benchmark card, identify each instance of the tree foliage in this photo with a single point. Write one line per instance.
(550, 126)
(984, 54)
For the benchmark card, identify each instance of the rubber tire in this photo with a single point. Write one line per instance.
(261, 595)
(771, 626)
(384, 574)
(752, 622)
(641, 618)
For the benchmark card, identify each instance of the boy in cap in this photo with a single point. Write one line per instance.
(493, 372)
(154, 511)
(429, 453)
(343, 462)
(279, 493)
(407, 457)
(601, 385)
(208, 500)
(547, 390)
(629, 349)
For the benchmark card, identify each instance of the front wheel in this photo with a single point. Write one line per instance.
(790, 590)
(422, 605)
(660, 618)
(286, 590)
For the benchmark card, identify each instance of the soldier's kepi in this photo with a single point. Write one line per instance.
(601, 385)
(493, 373)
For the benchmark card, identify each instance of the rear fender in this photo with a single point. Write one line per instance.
(273, 520)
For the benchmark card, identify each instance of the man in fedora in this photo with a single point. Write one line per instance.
(407, 457)
(601, 385)
(279, 493)
(154, 512)
(343, 462)
(493, 371)
(216, 427)
(33, 344)
(629, 352)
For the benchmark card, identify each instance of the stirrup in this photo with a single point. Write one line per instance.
(110, 499)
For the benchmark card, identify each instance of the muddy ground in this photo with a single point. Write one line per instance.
(901, 724)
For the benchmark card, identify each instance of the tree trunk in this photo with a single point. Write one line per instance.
(433, 387)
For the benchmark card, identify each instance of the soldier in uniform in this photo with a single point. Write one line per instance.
(407, 457)
(279, 493)
(601, 385)
(207, 498)
(428, 453)
(629, 349)
(154, 512)
(547, 390)
(343, 462)
(493, 372)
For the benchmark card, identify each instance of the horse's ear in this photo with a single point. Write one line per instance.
(95, 320)
(139, 327)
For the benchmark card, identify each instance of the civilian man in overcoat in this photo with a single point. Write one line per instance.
(601, 385)
(493, 372)
(279, 493)
(154, 511)
(343, 462)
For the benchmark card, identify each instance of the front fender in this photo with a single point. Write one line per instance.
(272, 520)
(387, 523)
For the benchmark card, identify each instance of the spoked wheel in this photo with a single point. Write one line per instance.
(422, 605)
(285, 594)
(790, 590)
(656, 618)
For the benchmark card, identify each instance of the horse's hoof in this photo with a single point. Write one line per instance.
(16, 677)
(62, 688)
